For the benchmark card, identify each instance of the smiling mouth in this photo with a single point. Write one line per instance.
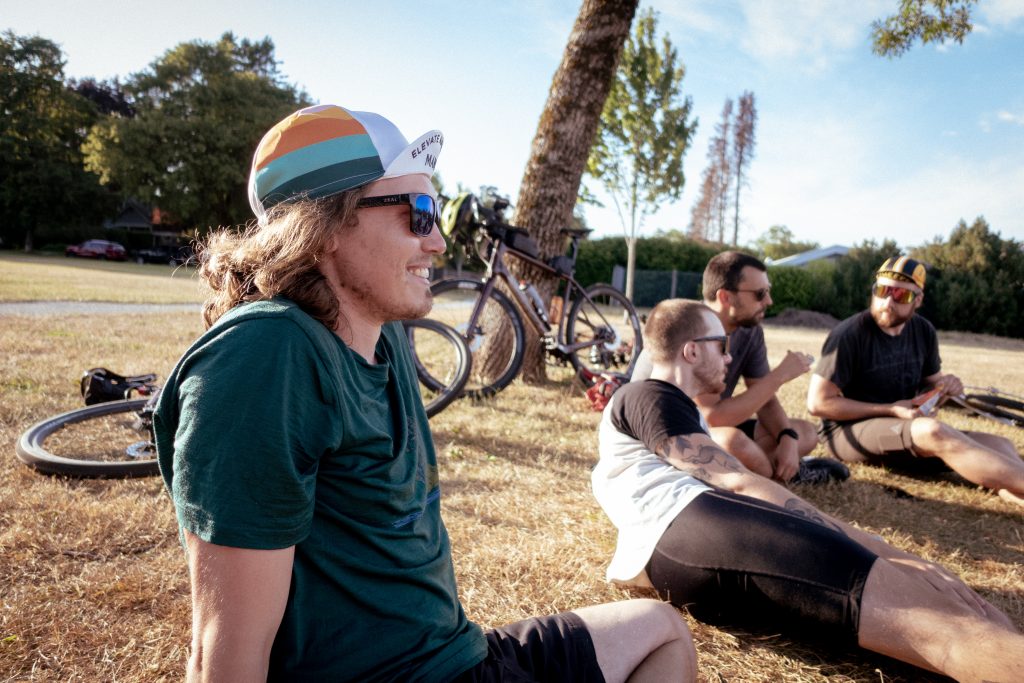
(421, 272)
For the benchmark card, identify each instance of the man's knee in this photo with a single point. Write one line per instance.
(931, 437)
(808, 434)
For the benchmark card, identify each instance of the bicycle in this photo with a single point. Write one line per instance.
(993, 404)
(581, 332)
(112, 436)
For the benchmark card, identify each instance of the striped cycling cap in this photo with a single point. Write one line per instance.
(903, 269)
(326, 149)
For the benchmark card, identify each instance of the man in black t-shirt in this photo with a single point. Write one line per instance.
(736, 548)
(878, 382)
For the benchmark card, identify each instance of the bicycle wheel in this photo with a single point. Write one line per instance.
(442, 362)
(999, 406)
(100, 440)
(496, 336)
(608, 324)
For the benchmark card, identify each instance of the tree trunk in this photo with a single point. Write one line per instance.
(630, 266)
(564, 137)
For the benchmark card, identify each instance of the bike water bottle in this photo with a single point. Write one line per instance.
(538, 304)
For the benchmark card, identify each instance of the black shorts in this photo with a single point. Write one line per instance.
(748, 427)
(552, 648)
(734, 560)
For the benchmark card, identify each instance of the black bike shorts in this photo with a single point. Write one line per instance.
(551, 648)
(732, 560)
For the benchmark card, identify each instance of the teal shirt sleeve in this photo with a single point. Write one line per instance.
(255, 411)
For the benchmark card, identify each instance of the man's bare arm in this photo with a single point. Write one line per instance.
(699, 456)
(731, 411)
(825, 400)
(238, 599)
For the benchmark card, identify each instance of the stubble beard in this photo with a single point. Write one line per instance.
(888, 319)
(710, 379)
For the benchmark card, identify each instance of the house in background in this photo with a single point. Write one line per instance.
(144, 226)
(833, 253)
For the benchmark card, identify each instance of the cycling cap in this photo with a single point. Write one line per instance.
(903, 269)
(326, 149)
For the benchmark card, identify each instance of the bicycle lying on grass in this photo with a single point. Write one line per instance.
(112, 436)
(596, 330)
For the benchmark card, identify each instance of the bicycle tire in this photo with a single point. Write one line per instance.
(442, 362)
(454, 301)
(94, 441)
(999, 406)
(592, 317)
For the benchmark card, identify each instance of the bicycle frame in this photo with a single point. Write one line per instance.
(496, 269)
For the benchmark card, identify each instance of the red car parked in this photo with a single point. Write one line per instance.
(101, 249)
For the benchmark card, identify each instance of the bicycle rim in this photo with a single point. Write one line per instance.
(496, 341)
(999, 406)
(95, 441)
(442, 362)
(608, 324)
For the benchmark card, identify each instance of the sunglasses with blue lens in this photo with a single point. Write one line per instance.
(423, 213)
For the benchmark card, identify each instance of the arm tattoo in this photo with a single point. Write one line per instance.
(802, 509)
(701, 461)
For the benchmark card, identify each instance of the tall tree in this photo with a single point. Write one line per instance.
(564, 135)
(644, 132)
(743, 141)
(929, 21)
(708, 215)
(200, 111)
(45, 189)
(723, 167)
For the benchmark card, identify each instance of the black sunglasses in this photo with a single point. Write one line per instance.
(721, 339)
(759, 294)
(423, 213)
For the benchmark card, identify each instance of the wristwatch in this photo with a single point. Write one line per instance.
(787, 432)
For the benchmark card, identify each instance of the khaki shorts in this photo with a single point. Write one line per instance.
(868, 440)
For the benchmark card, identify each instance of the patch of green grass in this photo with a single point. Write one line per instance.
(55, 278)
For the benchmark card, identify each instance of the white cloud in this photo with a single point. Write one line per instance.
(815, 32)
(1009, 117)
(827, 203)
(1002, 12)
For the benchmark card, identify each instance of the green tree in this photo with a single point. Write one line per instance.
(201, 109)
(929, 21)
(45, 190)
(975, 281)
(779, 242)
(645, 131)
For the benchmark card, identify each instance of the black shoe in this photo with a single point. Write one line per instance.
(820, 471)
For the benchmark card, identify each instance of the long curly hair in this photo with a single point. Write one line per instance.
(278, 258)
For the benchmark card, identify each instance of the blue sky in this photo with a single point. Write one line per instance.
(849, 146)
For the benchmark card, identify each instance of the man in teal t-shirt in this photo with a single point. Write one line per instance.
(292, 440)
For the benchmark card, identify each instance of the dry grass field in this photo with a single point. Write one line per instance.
(93, 583)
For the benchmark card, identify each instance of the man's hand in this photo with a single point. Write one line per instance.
(794, 364)
(905, 410)
(950, 385)
(785, 460)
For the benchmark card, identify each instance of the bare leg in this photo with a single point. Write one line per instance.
(976, 462)
(905, 616)
(744, 449)
(641, 640)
